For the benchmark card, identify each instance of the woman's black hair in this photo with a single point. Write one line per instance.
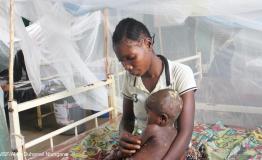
(131, 29)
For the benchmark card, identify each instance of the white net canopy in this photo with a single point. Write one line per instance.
(64, 45)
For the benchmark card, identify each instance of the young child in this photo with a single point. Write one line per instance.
(163, 108)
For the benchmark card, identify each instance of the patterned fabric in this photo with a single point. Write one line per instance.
(221, 142)
(213, 142)
(97, 144)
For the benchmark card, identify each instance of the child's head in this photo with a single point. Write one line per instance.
(132, 44)
(163, 107)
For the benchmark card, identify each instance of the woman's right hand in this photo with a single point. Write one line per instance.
(128, 144)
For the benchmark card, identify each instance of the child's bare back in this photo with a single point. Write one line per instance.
(163, 108)
(157, 142)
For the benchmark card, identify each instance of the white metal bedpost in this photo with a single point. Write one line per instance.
(112, 96)
(17, 140)
(199, 68)
(160, 41)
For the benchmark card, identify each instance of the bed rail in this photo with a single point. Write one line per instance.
(19, 145)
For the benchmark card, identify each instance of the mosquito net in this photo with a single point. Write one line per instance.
(64, 47)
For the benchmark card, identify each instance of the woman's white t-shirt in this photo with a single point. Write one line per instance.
(181, 80)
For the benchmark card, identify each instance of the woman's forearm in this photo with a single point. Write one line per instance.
(126, 126)
(128, 118)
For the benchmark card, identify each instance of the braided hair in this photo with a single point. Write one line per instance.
(130, 28)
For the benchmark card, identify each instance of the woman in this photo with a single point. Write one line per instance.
(146, 74)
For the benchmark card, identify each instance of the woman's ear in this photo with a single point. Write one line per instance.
(149, 43)
(163, 119)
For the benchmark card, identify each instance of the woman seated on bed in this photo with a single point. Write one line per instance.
(147, 73)
(163, 108)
